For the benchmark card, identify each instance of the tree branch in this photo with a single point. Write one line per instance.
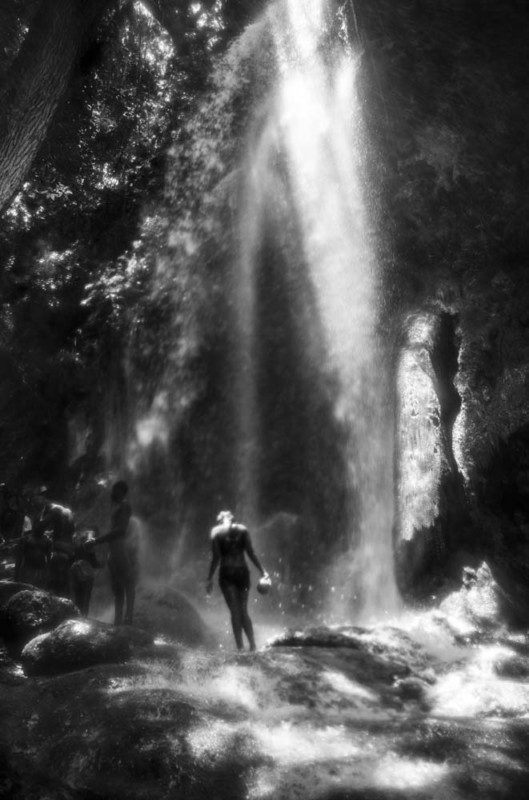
(36, 82)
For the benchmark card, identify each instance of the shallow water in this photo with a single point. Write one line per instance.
(411, 709)
(430, 704)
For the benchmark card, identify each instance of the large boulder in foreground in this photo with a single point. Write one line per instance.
(31, 612)
(120, 731)
(75, 644)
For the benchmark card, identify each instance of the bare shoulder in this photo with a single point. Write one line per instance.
(243, 532)
(236, 526)
(217, 531)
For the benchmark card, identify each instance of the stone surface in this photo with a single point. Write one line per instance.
(30, 612)
(10, 670)
(478, 604)
(75, 644)
(490, 597)
(311, 722)
(9, 588)
(166, 612)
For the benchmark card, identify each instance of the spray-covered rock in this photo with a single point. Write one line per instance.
(75, 644)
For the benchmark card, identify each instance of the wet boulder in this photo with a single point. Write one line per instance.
(478, 606)
(511, 575)
(10, 671)
(121, 731)
(31, 612)
(513, 667)
(76, 644)
(385, 656)
(163, 611)
(9, 588)
(322, 636)
(414, 689)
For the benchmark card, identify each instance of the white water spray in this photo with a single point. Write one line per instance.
(315, 119)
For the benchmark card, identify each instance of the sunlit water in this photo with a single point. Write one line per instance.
(314, 118)
(418, 711)
(436, 707)
(418, 433)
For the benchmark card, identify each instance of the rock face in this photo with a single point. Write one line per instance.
(479, 603)
(10, 670)
(489, 598)
(30, 612)
(9, 588)
(75, 644)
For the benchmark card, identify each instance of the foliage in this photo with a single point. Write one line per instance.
(67, 266)
(445, 86)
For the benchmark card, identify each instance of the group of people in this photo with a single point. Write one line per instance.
(52, 555)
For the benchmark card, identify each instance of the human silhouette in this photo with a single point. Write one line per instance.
(122, 561)
(58, 522)
(32, 561)
(230, 542)
(82, 570)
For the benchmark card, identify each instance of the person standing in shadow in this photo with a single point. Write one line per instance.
(230, 542)
(58, 522)
(82, 570)
(122, 560)
(32, 560)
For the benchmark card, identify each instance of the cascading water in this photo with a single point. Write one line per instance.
(314, 120)
(419, 448)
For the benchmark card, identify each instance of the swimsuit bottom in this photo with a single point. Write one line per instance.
(239, 577)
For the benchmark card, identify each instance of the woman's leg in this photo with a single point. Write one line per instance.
(246, 621)
(86, 595)
(130, 594)
(118, 590)
(232, 598)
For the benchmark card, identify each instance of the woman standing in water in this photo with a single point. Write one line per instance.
(229, 542)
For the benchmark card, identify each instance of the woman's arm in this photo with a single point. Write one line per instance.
(215, 558)
(119, 525)
(251, 553)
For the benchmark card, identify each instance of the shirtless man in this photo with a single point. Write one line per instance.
(122, 561)
(229, 543)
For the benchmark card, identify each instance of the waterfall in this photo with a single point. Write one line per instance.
(314, 119)
(418, 433)
(268, 225)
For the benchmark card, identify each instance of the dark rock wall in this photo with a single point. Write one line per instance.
(445, 86)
